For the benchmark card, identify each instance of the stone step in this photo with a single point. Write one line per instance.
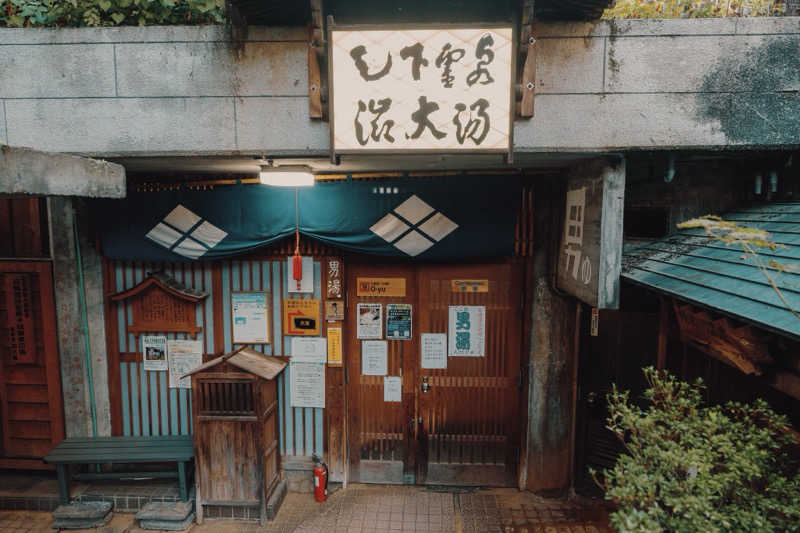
(168, 525)
(166, 516)
(82, 515)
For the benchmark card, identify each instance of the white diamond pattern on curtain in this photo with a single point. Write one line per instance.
(185, 233)
(415, 215)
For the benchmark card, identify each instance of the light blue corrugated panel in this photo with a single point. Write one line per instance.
(702, 270)
(304, 425)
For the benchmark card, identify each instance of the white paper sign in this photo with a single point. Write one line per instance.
(370, 321)
(184, 356)
(307, 283)
(307, 384)
(309, 349)
(445, 89)
(434, 350)
(466, 330)
(374, 358)
(250, 317)
(392, 388)
(154, 352)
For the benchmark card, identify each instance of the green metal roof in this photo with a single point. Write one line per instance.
(697, 268)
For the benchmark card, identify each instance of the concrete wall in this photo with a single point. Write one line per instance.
(601, 86)
(26, 171)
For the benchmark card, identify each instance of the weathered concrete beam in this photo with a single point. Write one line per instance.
(27, 171)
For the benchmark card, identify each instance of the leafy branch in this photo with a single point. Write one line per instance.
(72, 13)
(748, 239)
(644, 9)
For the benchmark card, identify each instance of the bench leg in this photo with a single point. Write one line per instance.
(182, 481)
(63, 483)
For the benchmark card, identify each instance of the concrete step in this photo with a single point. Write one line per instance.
(82, 515)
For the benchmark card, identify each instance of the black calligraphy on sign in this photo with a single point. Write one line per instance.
(358, 53)
(480, 122)
(415, 52)
(420, 116)
(485, 56)
(447, 57)
(378, 109)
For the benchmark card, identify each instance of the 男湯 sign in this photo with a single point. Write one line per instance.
(443, 90)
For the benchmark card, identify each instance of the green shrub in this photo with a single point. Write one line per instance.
(50, 13)
(691, 467)
(667, 9)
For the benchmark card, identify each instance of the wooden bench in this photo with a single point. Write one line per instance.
(104, 450)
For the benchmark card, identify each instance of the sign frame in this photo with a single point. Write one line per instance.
(508, 152)
(268, 312)
(286, 305)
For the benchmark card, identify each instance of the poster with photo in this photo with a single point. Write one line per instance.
(370, 321)
(398, 322)
(183, 356)
(154, 352)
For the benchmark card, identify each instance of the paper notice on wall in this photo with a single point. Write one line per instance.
(434, 350)
(309, 349)
(370, 321)
(183, 356)
(307, 282)
(466, 330)
(392, 388)
(398, 321)
(335, 346)
(374, 358)
(307, 384)
(250, 316)
(154, 352)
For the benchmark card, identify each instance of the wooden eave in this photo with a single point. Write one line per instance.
(247, 359)
(166, 284)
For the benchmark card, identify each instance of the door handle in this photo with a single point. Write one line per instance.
(425, 386)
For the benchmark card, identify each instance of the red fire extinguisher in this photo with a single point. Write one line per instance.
(320, 479)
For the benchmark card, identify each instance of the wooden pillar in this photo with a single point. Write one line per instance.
(663, 333)
(550, 399)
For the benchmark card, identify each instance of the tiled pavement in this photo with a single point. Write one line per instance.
(375, 508)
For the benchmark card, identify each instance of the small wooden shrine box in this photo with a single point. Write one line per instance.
(235, 413)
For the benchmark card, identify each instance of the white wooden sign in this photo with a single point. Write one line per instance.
(441, 89)
(590, 256)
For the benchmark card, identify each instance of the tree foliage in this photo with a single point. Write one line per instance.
(668, 9)
(52, 13)
(692, 467)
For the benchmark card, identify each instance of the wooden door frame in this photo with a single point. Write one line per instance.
(408, 402)
(411, 403)
(52, 365)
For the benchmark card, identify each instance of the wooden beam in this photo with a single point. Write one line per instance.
(316, 50)
(528, 78)
(787, 383)
(314, 83)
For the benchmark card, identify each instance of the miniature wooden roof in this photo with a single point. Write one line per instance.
(249, 360)
(166, 283)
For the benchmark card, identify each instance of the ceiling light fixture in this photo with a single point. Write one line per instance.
(287, 176)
